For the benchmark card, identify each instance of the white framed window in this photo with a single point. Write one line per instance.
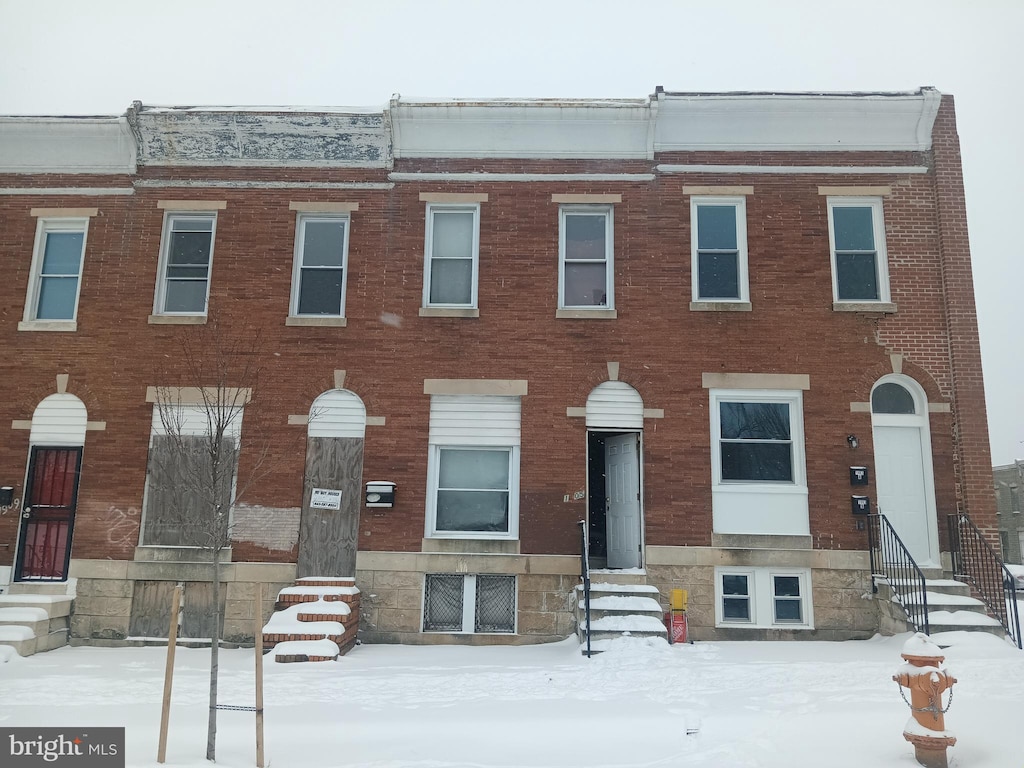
(186, 257)
(758, 437)
(585, 257)
(321, 265)
(473, 490)
(764, 598)
(473, 467)
(758, 466)
(856, 232)
(451, 256)
(473, 603)
(718, 244)
(56, 273)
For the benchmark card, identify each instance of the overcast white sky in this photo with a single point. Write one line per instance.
(95, 57)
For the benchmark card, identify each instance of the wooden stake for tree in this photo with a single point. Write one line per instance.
(259, 675)
(172, 644)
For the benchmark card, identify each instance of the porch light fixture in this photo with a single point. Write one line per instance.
(852, 440)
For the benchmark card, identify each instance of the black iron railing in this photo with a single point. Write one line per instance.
(977, 563)
(892, 562)
(585, 576)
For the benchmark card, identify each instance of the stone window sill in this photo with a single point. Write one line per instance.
(177, 319)
(66, 326)
(449, 312)
(720, 306)
(586, 314)
(886, 307)
(316, 322)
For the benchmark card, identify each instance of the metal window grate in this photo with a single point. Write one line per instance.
(442, 603)
(495, 604)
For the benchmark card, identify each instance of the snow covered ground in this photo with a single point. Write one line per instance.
(643, 704)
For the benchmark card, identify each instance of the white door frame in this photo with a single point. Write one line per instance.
(918, 420)
(640, 481)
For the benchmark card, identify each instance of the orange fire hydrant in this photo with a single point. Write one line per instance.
(927, 679)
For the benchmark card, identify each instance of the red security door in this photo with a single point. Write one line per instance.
(48, 515)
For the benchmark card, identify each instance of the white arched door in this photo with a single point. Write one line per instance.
(904, 483)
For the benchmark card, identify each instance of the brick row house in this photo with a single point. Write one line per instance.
(681, 319)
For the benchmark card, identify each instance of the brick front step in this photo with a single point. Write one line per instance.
(315, 593)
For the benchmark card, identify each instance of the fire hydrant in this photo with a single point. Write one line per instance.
(927, 679)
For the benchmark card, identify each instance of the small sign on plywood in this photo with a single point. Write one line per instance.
(325, 498)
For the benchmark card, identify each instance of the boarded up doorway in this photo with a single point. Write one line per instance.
(332, 493)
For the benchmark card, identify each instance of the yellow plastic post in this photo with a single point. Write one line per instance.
(679, 599)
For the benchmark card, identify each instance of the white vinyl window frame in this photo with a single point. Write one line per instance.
(163, 278)
(608, 259)
(469, 617)
(46, 227)
(793, 400)
(433, 488)
(440, 209)
(874, 204)
(763, 599)
(301, 270)
(763, 507)
(739, 206)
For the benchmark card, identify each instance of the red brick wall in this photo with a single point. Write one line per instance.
(661, 346)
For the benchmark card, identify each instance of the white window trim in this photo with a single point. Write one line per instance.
(165, 244)
(609, 251)
(469, 606)
(740, 207)
(793, 398)
(43, 228)
(301, 219)
(428, 247)
(760, 583)
(881, 252)
(433, 472)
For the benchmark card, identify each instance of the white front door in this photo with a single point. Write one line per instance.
(622, 493)
(903, 488)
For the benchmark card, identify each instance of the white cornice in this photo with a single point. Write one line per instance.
(796, 122)
(101, 145)
(523, 129)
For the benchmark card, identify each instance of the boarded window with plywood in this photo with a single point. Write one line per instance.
(151, 609)
(188, 497)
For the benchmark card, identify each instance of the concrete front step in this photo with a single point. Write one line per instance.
(33, 622)
(951, 607)
(38, 588)
(619, 610)
(954, 621)
(613, 576)
(54, 605)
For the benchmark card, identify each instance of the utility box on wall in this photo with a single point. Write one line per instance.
(380, 493)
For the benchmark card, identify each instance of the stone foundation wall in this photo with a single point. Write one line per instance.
(840, 589)
(392, 595)
(105, 592)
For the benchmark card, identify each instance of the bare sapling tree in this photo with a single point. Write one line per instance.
(194, 458)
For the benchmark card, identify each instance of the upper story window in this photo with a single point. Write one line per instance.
(186, 256)
(452, 254)
(856, 231)
(718, 243)
(56, 273)
(585, 258)
(321, 261)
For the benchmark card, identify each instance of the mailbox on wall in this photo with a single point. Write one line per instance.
(858, 475)
(6, 496)
(861, 505)
(380, 494)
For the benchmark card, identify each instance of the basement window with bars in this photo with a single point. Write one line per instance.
(475, 603)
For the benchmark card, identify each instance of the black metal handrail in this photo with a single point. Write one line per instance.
(892, 561)
(976, 562)
(585, 576)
